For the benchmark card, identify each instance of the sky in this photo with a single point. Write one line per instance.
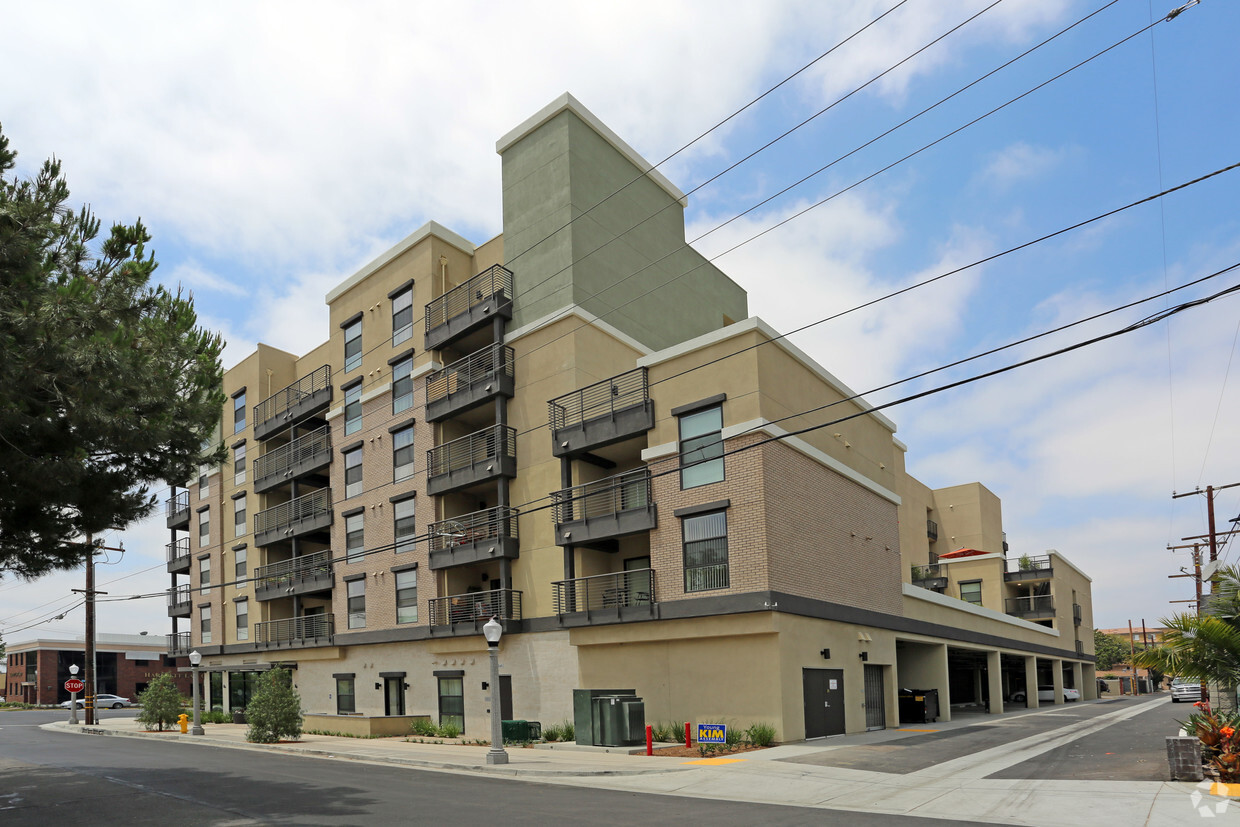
(273, 148)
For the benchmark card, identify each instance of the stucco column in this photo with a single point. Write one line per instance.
(1078, 677)
(1031, 682)
(1057, 679)
(994, 674)
(1089, 685)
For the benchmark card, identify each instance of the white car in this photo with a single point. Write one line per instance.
(1046, 694)
(1182, 690)
(102, 701)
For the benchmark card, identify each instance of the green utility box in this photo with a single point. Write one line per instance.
(521, 730)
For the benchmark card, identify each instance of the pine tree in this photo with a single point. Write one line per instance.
(274, 711)
(161, 703)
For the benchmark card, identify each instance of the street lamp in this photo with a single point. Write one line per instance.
(496, 755)
(73, 670)
(195, 658)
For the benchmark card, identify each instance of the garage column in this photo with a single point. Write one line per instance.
(1057, 679)
(994, 674)
(1031, 682)
(1089, 687)
(1078, 677)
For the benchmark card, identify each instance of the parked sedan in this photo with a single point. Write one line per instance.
(1185, 691)
(102, 701)
(1046, 694)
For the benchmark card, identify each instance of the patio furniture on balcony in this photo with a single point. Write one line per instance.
(476, 608)
(473, 538)
(289, 631)
(598, 592)
(596, 513)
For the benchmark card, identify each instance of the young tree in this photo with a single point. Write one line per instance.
(107, 386)
(161, 703)
(274, 711)
(1109, 650)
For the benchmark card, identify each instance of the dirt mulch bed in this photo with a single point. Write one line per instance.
(693, 752)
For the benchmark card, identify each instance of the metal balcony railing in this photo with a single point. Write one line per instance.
(305, 449)
(932, 530)
(179, 597)
(282, 400)
(932, 571)
(1076, 614)
(705, 578)
(608, 497)
(1039, 604)
(179, 643)
(1029, 564)
(480, 446)
(496, 280)
(476, 607)
(489, 524)
(177, 504)
(291, 573)
(295, 629)
(617, 590)
(1080, 648)
(289, 514)
(600, 399)
(178, 550)
(488, 363)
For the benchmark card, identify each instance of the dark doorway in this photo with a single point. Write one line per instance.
(824, 702)
(394, 696)
(505, 697)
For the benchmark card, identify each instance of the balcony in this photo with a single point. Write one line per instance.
(1033, 607)
(601, 414)
(469, 307)
(474, 538)
(1076, 614)
(601, 511)
(604, 592)
(302, 456)
(481, 456)
(180, 601)
(308, 396)
(301, 575)
(178, 556)
(469, 382)
(1080, 649)
(932, 530)
(1029, 569)
(295, 630)
(476, 608)
(932, 577)
(295, 518)
(176, 509)
(179, 644)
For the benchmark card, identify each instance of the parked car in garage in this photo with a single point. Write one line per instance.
(1183, 690)
(103, 701)
(1046, 694)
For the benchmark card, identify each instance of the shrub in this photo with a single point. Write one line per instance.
(665, 731)
(734, 736)
(568, 731)
(551, 732)
(161, 703)
(424, 727)
(274, 711)
(761, 735)
(449, 729)
(216, 716)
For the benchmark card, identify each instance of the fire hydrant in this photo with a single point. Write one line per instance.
(183, 720)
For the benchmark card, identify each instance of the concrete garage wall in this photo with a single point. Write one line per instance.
(924, 666)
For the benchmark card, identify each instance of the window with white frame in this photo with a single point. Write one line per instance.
(243, 620)
(353, 472)
(402, 316)
(357, 603)
(353, 409)
(402, 454)
(239, 413)
(204, 624)
(239, 529)
(701, 447)
(706, 551)
(354, 537)
(241, 566)
(352, 345)
(405, 529)
(239, 465)
(402, 385)
(407, 596)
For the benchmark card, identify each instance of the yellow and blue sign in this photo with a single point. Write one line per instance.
(712, 733)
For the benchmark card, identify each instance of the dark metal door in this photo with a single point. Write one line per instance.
(505, 697)
(394, 695)
(824, 702)
(875, 698)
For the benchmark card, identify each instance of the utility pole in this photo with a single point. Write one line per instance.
(91, 677)
(1196, 575)
(1213, 534)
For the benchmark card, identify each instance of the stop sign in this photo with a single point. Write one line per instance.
(74, 685)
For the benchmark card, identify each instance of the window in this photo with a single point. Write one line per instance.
(971, 592)
(706, 551)
(352, 345)
(452, 702)
(402, 454)
(701, 447)
(204, 485)
(402, 385)
(239, 413)
(405, 529)
(353, 473)
(204, 624)
(239, 516)
(353, 409)
(357, 603)
(241, 560)
(407, 596)
(239, 465)
(402, 316)
(241, 686)
(346, 699)
(354, 537)
(204, 527)
(243, 620)
(204, 575)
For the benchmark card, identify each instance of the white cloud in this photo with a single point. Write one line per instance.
(193, 276)
(1020, 162)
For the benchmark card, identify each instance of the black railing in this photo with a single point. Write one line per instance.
(476, 607)
(932, 530)
(1029, 565)
(617, 590)
(932, 571)
(1076, 614)
(289, 514)
(489, 524)
(179, 643)
(608, 497)
(601, 399)
(280, 401)
(459, 454)
(294, 629)
(178, 550)
(489, 362)
(179, 597)
(176, 504)
(1034, 604)
(495, 280)
(278, 462)
(291, 573)
(1080, 648)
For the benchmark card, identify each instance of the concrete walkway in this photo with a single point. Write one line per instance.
(958, 788)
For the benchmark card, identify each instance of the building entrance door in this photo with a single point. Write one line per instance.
(394, 696)
(875, 698)
(824, 702)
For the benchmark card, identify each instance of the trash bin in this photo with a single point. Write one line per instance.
(919, 706)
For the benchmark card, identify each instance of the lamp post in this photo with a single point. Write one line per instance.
(496, 755)
(195, 658)
(73, 670)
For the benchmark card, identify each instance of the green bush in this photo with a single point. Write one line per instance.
(734, 736)
(449, 730)
(761, 735)
(274, 711)
(216, 716)
(665, 731)
(424, 727)
(161, 703)
(551, 732)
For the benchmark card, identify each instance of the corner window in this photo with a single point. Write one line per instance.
(346, 698)
(239, 465)
(402, 454)
(353, 346)
(402, 385)
(243, 620)
(407, 596)
(354, 537)
(204, 528)
(241, 560)
(402, 316)
(452, 702)
(353, 409)
(971, 592)
(706, 551)
(239, 517)
(204, 624)
(353, 473)
(239, 413)
(357, 603)
(701, 447)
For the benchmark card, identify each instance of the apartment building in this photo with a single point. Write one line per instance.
(577, 428)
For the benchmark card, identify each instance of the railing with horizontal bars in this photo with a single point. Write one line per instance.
(285, 515)
(176, 504)
(179, 596)
(1031, 564)
(489, 362)
(616, 590)
(290, 573)
(600, 399)
(504, 604)
(282, 400)
(496, 279)
(629, 491)
(488, 524)
(279, 461)
(291, 629)
(489, 443)
(179, 643)
(930, 571)
(178, 550)
(1030, 604)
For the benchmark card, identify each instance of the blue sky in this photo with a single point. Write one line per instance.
(273, 148)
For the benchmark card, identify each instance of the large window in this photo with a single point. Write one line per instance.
(402, 385)
(239, 516)
(706, 551)
(204, 575)
(243, 620)
(204, 528)
(971, 592)
(353, 473)
(346, 697)
(353, 409)
(701, 447)
(241, 687)
(407, 596)
(204, 624)
(405, 528)
(239, 465)
(239, 413)
(357, 603)
(241, 560)
(452, 702)
(352, 345)
(402, 316)
(402, 454)
(354, 537)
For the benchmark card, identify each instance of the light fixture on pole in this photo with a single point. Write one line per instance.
(492, 631)
(73, 670)
(195, 658)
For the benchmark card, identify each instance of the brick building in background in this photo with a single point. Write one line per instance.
(38, 669)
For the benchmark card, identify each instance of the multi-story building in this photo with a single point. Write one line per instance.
(576, 427)
(125, 664)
